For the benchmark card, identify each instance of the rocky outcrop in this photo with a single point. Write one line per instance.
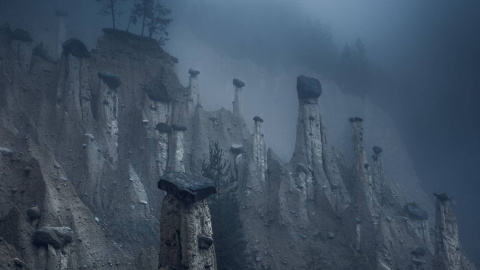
(259, 148)
(34, 212)
(162, 148)
(112, 80)
(238, 101)
(308, 146)
(176, 151)
(9, 257)
(57, 237)
(378, 177)
(186, 230)
(61, 31)
(363, 179)
(447, 246)
(94, 152)
(186, 188)
(366, 212)
(75, 47)
(90, 155)
(194, 95)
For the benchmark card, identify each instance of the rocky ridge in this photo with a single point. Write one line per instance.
(85, 140)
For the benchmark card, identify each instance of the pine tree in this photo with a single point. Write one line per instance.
(216, 168)
(135, 13)
(158, 22)
(109, 8)
(143, 10)
(354, 71)
(230, 244)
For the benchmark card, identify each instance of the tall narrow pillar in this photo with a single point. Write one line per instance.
(259, 149)
(365, 211)
(162, 148)
(362, 168)
(238, 101)
(176, 151)
(61, 31)
(378, 177)
(186, 238)
(193, 87)
(308, 145)
(447, 247)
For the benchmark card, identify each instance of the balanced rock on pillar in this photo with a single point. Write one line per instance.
(193, 99)
(76, 48)
(188, 189)
(186, 238)
(238, 101)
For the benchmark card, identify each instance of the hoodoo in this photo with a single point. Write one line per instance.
(309, 139)
(447, 247)
(238, 101)
(176, 150)
(86, 143)
(186, 239)
(194, 95)
(259, 149)
(378, 177)
(308, 147)
(61, 30)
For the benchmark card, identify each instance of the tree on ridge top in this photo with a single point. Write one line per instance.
(109, 8)
(154, 17)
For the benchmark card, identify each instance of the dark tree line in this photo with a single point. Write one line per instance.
(354, 71)
(152, 14)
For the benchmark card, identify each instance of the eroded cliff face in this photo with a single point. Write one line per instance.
(447, 246)
(85, 140)
(92, 150)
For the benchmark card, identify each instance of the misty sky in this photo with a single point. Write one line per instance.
(425, 54)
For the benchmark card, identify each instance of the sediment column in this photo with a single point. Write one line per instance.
(447, 247)
(308, 146)
(194, 88)
(362, 168)
(238, 101)
(176, 151)
(61, 31)
(378, 176)
(186, 238)
(259, 149)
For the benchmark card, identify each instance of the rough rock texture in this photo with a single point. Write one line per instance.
(238, 83)
(186, 188)
(238, 100)
(93, 162)
(9, 258)
(308, 88)
(186, 229)
(57, 237)
(61, 31)
(76, 48)
(447, 247)
(183, 228)
(95, 156)
(112, 80)
(34, 212)
(194, 94)
(259, 149)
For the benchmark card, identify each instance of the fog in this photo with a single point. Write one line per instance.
(421, 70)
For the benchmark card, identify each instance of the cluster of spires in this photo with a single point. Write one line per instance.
(308, 90)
